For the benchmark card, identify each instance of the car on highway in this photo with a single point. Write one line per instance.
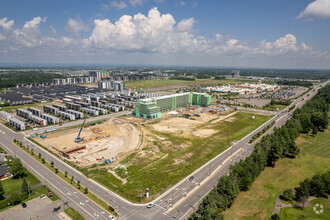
(24, 205)
(191, 178)
(111, 217)
(150, 205)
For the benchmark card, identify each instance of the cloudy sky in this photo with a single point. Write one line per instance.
(223, 33)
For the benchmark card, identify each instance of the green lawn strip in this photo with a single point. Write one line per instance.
(149, 84)
(258, 202)
(2, 151)
(93, 197)
(308, 211)
(160, 174)
(73, 214)
(258, 135)
(275, 107)
(14, 185)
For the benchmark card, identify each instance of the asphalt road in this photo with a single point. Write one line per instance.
(178, 202)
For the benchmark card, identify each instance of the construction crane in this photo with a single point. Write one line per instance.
(78, 138)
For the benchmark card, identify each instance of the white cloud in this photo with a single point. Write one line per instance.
(118, 4)
(76, 26)
(34, 23)
(182, 3)
(5, 23)
(195, 4)
(186, 24)
(136, 2)
(141, 37)
(316, 9)
(2, 37)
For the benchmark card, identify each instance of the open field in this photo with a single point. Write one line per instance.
(107, 140)
(169, 84)
(258, 202)
(172, 149)
(307, 212)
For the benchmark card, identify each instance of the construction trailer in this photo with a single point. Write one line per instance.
(23, 113)
(60, 107)
(73, 106)
(90, 111)
(50, 109)
(38, 120)
(50, 119)
(153, 107)
(17, 124)
(5, 116)
(101, 111)
(78, 115)
(35, 111)
(66, 115)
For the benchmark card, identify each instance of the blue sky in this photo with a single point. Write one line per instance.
(224, 33)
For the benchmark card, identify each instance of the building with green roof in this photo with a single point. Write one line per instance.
(153, 107)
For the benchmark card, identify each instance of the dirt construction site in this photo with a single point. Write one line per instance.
(113, 140)
(101, 142)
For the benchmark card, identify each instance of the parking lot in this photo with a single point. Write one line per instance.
(37, 208)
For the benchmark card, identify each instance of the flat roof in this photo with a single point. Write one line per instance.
(170, 96)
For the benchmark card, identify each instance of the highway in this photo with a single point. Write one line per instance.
(178, 202)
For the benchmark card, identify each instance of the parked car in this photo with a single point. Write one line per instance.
(24, 205)
(43, 196)
(191, 178)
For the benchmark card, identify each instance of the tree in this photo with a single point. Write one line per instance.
(2, 191)
(78, 184)
(15, 198)
(275, 217)
(52, 164)
(86, 190)
(32, 153)
(56, 170)
(72, 178)
(24, 187)
(39, 155)
(66, 173)
(288, 194)
(43, 160)
(17, 168)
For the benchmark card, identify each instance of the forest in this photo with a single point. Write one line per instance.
(310, 119)
(12, 78)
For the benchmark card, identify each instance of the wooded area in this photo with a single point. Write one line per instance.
(313, 116)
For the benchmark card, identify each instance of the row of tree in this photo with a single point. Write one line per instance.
(281, 143)
(296, 83)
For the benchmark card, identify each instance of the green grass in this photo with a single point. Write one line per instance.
(73, 214)
(258, 202)
(14, 185)
(307, 212)
(150, 84)
(163, 172)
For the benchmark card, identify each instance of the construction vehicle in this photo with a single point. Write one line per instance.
(78, 138)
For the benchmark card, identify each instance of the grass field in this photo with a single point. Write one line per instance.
(73, 214)
(274, 107)
(258, 202)
(164, 162)
(150, 84)
(12, 109)
(307, 212)
(14, 185)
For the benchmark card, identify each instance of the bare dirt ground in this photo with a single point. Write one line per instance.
(107, 141)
